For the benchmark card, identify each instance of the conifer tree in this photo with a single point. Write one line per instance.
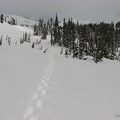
(1, 40)
(56, 31)
(35, 29)
(2, 18)
(64, 33)
(51, 26)
(26, 36)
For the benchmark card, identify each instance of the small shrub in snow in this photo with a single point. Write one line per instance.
(45, 50)
(39, 42)
(33, 45)
(75, 55)
(21, 41)
(1, 41)
(9, 41)
(2, 18)
(41, 48)
(66, 53)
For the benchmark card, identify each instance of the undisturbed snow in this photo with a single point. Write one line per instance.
(47, 86)
(21, 20)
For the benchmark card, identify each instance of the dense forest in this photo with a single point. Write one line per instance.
(99, 40)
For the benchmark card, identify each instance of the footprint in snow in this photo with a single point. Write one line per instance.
(48, 79)
(44, 92)
(39, 87)
(47, 71)
(44, 77)
(46, 74)
(50, 68)
(46, 84)
(43, 81)
(29, 111)
(34, 117)
(34, 96)
(39, 103)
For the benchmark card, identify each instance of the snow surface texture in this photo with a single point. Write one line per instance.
(47, 86)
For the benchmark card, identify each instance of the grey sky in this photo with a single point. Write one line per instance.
(95, 10)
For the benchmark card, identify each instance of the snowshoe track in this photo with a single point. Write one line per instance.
(37, 108)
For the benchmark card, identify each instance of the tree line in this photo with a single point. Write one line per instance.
(99, 40)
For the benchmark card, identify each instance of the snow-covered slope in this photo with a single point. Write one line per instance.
(47, 86)
(20, 20)
(7, 30)
(25, 29)
(14, 32)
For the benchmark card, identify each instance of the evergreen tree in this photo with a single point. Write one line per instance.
(44, 31)
(33, 45)
(57, 37)
(26, 36)
(2, 18)
(64, 33)
(52, 41)
(35, 29)
(117, 34)
(13, 21)
(51, 26)
(45, 50)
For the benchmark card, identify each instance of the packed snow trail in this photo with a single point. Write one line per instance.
(21, 69)
(38, 107)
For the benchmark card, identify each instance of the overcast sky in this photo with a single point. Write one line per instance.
(95, 10)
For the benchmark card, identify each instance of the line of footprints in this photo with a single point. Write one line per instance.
(37, 108)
